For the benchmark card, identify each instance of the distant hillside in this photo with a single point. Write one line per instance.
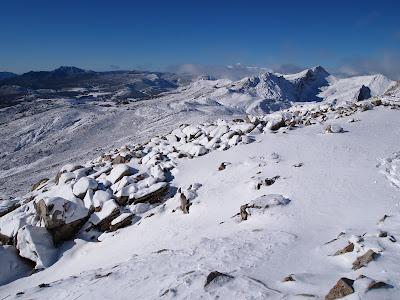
(5, 75)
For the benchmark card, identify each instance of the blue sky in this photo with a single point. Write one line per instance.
(351, 36)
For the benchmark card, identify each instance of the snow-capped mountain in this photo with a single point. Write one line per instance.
(270, 92)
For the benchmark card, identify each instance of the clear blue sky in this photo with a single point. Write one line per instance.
(103, 35)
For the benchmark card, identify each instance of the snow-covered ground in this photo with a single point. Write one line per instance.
(336, 189)
(282, 204)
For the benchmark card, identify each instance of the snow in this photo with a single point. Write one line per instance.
(12, 266)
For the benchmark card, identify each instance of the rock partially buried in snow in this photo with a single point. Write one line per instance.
(82, 185)
(346, 249)
(36, 244)
(365, 259)
(261, 204)
(152, 194)
(38, 184)
(342, 288)
(121, 221)
(217, 278)
(69, 168)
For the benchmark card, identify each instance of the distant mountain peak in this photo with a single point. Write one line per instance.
(69, 70)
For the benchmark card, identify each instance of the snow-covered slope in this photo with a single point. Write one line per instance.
(347, 89)
(270, 215)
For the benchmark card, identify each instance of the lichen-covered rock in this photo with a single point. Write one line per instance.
(342, 288)
(365, 259)
(36, 244)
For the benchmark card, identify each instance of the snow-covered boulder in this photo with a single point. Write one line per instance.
(118, 172)
(102, 219)
(261, 204)
(62, 217)
(82, 185)
(121, 221)
(36, 244)
(65, 177)
(13, 221)
(333, 129)
(151, 194)
(12, 265)
(193, 149)
(70, 168)
(100, 197)
(275, 123)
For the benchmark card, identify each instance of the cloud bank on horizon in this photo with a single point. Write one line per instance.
(387, 64)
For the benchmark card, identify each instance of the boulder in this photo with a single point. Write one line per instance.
(100, 197)
(376, 102)
(118, 172)
(36, 244)
(119, 159)
(275, 124)
(342, 288)
(16, 219)
(363, 93)
(153, 194)
(364, 259)
(82, 185)
(68, 168)
(121, 221)
(12, 265)
(62, 217)
(103, 218)
(65, 177)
